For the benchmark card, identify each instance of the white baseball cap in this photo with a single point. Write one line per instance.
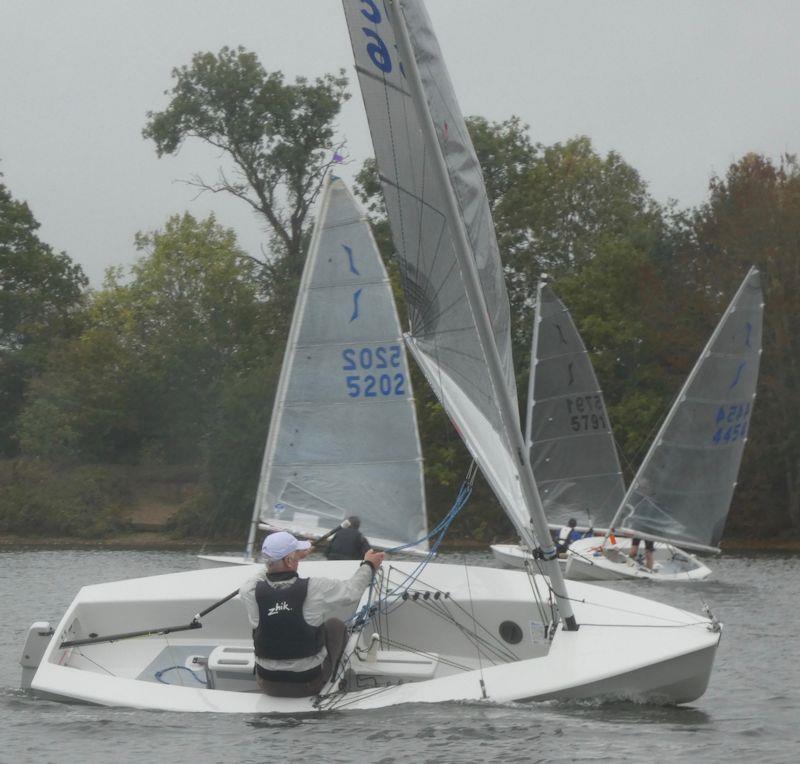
(278, 545)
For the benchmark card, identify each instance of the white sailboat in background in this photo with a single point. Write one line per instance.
(682, 493)
(423, 633)
(567, 429)
(343, 438)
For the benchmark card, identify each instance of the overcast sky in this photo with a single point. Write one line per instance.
(680, 88)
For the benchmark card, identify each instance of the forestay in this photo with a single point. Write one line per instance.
(683, 490)
(568, 431)
(443, 335)
(343, 438)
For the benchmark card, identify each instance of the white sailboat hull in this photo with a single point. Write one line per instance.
(588, 561)
(513, 556)
(436, 662)
(216, 560)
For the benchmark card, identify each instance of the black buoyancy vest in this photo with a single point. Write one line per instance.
(347, 544)
(282, 632)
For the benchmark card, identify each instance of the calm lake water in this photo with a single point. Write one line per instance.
(751, 709)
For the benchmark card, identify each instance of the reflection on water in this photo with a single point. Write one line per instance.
(750, 709)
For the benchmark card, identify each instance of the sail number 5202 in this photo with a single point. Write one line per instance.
(376, 384)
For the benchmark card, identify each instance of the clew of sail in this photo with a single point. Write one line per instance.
(343, 437)
(443, 337)
(567, 430)
(683, 490)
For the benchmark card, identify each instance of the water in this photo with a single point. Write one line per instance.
(751, 709)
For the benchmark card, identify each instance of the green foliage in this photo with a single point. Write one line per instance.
(176, 362)
(617, 301)
(233, 449)
(40, 299)
(142, 382)
(279, 136)
(568, 200)
(51, 500)
(752, 217)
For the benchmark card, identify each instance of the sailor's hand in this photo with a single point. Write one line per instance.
(374, 558)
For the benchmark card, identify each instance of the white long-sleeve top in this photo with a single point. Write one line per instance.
(324, 596)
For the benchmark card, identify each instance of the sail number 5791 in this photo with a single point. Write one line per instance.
(586, 412)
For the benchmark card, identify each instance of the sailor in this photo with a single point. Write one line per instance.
(649, 546)
(567, 535)
(348, 543)
(296, 648)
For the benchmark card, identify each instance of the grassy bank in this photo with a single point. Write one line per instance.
(100, 506)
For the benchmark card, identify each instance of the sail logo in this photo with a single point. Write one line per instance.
(349, 251)
(279, 608)
(738, 375)
(356, 295)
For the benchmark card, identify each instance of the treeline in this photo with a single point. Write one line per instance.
(171, 365)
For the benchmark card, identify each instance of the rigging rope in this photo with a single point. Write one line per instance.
(394, 595)
(477, 645)
(160, 674)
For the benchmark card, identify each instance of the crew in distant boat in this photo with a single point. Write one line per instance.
(649, 546)
(348, 543)
(567, 535)
(296, 648)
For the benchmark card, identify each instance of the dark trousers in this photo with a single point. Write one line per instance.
(279, 684)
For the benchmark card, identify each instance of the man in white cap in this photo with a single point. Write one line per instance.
(296, 647)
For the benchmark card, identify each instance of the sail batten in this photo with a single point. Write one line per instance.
(343, 438)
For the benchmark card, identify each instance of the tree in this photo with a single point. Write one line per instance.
(142, 381)
(563, 205)
(41, 294)
(280, 137)
(752, 217)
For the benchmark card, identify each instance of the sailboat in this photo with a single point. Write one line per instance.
(567, 429)
(343, 438)
(681, 495)
(423, 632)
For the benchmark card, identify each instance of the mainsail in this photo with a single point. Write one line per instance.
(683, 490)
(443, 335)
(567, 430)
(343, 437)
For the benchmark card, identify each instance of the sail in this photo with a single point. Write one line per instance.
(343, 438)
(568, 431)
(444, 336)
(683, 490)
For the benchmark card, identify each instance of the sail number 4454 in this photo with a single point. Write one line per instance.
(381, 363)
(731, 423)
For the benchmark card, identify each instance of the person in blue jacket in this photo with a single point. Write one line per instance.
(567, 535)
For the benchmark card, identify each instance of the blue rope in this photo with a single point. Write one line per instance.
(383, 606)
(159, 674)
(443, 525)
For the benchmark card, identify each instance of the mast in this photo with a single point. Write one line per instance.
(508, 413)
(537, 318)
